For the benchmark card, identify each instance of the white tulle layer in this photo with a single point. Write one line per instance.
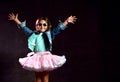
(42, 61)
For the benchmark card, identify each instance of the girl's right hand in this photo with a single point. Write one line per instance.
(12, 16)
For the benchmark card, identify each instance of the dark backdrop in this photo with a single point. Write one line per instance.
(91, 45)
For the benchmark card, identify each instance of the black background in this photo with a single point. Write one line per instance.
(91, 45)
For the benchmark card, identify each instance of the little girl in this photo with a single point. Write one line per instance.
(40, 59)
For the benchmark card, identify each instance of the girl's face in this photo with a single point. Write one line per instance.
(42, 26)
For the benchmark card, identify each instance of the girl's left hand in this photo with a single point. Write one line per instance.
(71, 19)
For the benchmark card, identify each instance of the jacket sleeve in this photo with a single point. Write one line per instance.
(26, 30)
(58, 29)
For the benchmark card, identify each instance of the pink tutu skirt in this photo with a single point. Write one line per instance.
(42, 61)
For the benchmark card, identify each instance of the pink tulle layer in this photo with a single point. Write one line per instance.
(42, 61)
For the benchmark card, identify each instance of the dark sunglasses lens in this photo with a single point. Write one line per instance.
(44, 25)
(40, 24)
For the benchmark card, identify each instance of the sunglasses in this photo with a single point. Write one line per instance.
(42, 24)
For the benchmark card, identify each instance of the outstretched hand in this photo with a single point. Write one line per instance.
(71, 19)
(12, 16)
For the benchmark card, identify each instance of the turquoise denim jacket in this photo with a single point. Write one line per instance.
(35, 42)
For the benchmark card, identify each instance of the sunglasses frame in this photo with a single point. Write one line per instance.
(44, 24)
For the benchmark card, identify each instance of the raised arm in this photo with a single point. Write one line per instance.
(14, 18)
(70, 19)
(63, 25)
(20, 24)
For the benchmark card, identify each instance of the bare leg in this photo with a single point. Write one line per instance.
(45, 77)
(38, 77)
